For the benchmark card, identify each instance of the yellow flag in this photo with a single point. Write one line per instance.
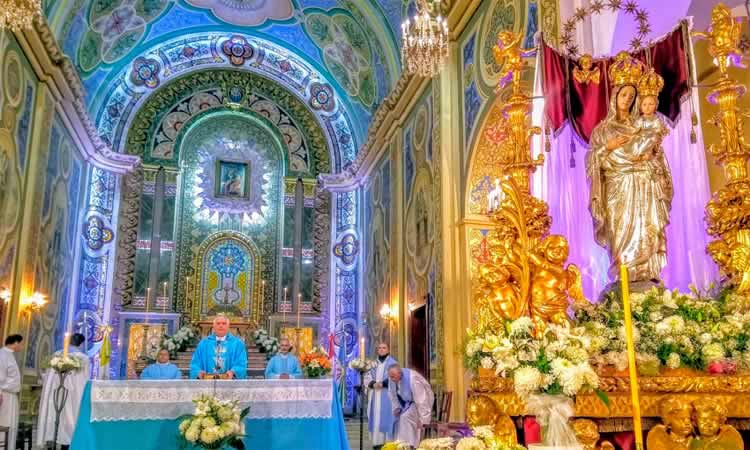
(106, 352)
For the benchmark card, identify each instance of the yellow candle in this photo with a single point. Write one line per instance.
(283, 307)
(148, 297)
(637, 429)
(165, 289)
(164, 305)
(299, 306)
(187, 288)
(362, 347)
(66, 344)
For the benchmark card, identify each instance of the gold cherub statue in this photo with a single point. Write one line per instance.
(508, 53)
(588, 435)
(552, 283)
(585, 74)
(482, 410)
(713, 433)
(724, 35)
(677, 429)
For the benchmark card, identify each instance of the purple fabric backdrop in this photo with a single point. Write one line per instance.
(566, 191)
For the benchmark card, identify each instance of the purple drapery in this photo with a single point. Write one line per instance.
(566, 190)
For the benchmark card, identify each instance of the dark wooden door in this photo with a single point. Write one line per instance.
(418, 351)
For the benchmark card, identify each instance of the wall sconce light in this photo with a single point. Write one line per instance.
(5, 294)
(35, 302)
(386, 313)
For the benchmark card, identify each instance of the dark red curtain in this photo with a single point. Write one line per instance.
(589, 102)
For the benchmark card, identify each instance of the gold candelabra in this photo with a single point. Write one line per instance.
(728, 211)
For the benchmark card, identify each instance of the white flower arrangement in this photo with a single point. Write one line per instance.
(64, 364)
(215, 424)
(266, 344)
(181, 340)
(362, 365)
(672, 330)
(555, 363)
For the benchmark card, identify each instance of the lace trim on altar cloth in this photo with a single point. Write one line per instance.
(164, 400)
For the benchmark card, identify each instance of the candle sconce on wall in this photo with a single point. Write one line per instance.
(5, 295)
(34, 302)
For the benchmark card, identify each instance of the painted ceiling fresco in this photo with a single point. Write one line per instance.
(354, 43)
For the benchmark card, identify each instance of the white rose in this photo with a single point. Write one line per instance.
(487, 363)
(705, 338)
(208, 436)
(713, 352)
(192, 434)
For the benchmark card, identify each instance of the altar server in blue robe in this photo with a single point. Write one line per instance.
(219, 355)
(283, 365)
(380, 418)
(162, 369)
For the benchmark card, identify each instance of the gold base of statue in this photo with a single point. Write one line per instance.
(492, 400)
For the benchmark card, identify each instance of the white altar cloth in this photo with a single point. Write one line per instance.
(168, 399)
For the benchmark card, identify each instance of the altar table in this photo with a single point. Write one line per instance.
(142, 415)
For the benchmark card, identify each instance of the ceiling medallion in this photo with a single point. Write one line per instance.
(19, 14)
(424, 40)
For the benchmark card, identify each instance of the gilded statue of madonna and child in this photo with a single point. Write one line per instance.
(631, 186)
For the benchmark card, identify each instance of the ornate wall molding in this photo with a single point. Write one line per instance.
(321, 248)
(60, 73)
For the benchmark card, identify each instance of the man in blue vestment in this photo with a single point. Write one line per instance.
(219, 355)
(284, 365)
(162, 369)
(380, 418)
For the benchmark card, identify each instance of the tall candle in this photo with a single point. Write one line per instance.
(283, 306)
(148, 297)
(164, 305)
(299, 305)
(66, 344)
(634, 394)
(187, 288)
(362, 347)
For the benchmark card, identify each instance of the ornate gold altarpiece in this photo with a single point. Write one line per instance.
(492, 400)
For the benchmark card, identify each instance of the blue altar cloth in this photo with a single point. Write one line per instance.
(265, 434)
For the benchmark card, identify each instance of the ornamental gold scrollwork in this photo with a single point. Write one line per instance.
(481, 410)
(585, 74)
(728, 211)
(524, 273)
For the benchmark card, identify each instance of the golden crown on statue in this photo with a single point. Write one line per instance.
(625, 70)
(650, 84)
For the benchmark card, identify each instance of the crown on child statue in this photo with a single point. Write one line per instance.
(650, 84)
(625, 70)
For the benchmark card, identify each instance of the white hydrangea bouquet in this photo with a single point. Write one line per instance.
(64, 364)
(266, 343)
(216, 424)
(556, 363)
(484, 439)
(362, 365)
(547, 371)
(182, 339)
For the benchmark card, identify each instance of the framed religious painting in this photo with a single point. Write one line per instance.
(232, 179)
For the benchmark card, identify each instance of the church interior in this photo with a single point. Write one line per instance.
(479, 185)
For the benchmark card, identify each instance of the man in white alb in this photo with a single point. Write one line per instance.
(10, 386)
(380, 418)
(411, 398)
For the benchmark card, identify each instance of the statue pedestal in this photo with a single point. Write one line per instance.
(636, 286)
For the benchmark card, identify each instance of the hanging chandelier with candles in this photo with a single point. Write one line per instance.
(19, 14)
(424, 43)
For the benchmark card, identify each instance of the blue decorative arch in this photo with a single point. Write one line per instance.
(125, 91)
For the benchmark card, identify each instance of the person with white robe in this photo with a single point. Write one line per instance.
(162, 369)
(10, 386)
(412, 399)
(220, 354)
(380, 420)
(283, 365)
(75, 383)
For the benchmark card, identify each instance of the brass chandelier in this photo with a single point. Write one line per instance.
(424, 40)
(19, 14)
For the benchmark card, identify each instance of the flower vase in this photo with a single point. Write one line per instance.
(553, 413)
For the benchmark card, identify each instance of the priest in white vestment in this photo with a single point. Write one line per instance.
(10, 386)
(75, 382)
(380, 418)
(162, 369)
(412, 398)
(283, 365)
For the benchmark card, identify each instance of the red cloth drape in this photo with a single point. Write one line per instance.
(589, 102)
